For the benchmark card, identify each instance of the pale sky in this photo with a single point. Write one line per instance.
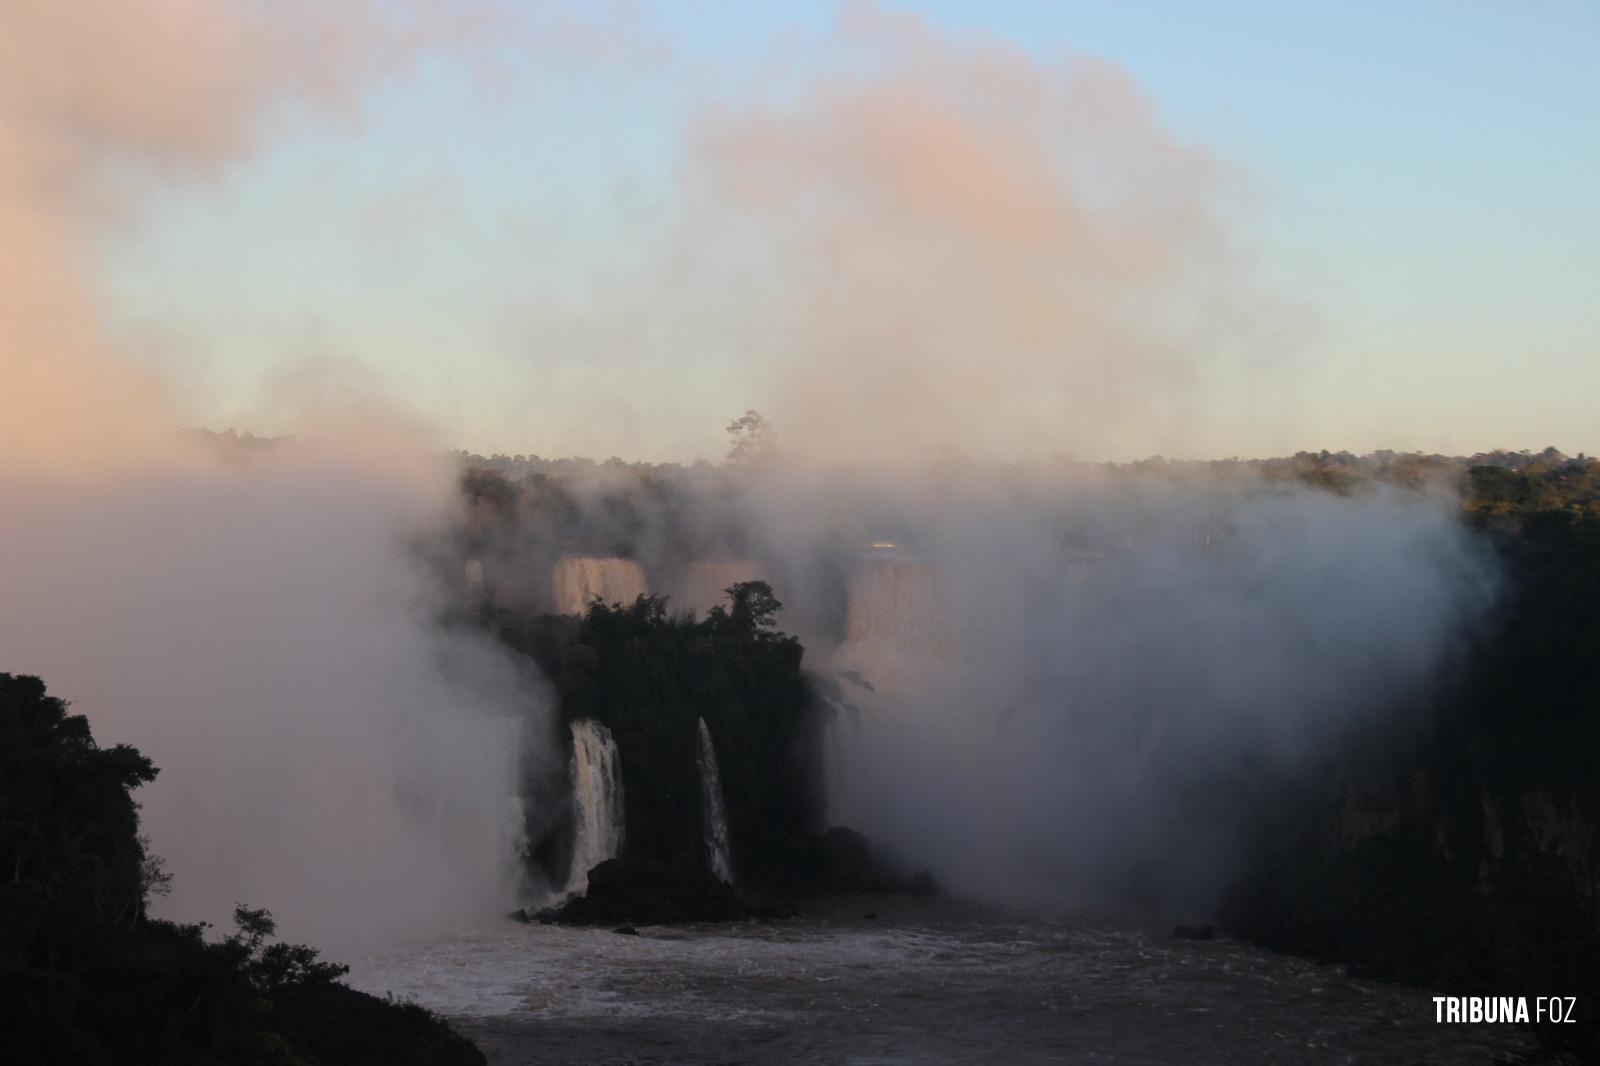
(1410, 188)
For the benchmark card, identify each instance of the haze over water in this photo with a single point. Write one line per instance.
(927, 981)
(955, 257)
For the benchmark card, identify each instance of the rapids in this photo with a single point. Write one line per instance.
(934, 980)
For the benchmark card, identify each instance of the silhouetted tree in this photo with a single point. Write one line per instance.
(753, 439)
(87, 978)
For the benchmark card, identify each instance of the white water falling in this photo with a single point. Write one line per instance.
(707, 581)
(896, 626)
(894, 602)
(580, 579)
(914, 627)
(715, 819)
(841, 751)
(596, 799)
(931, 655)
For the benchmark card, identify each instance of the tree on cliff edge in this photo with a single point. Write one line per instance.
(753, 442)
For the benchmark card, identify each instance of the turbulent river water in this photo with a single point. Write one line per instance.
(927, 980)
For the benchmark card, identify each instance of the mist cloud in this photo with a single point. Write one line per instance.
(953, 244)
(1108, 679)
(259, 627)
(926, 241)
(1057, 682)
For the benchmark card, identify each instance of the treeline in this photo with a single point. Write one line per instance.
(613, 506)
(1501, 475)
(88, 977)
(669, 512)
(650, 675)
(1464, 853)
(1340, 469)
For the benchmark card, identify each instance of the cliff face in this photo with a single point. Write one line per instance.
(1465, 856)
(664, 696)
(1429, 877)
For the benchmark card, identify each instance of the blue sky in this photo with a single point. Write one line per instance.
(1414, 181)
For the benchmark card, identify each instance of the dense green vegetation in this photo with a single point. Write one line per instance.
(1463, 853)
(1459, 849)
(649, 676)
(87, 977)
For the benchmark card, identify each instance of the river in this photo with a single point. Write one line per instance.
(925, 981)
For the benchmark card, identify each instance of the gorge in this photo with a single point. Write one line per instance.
(1094, 692)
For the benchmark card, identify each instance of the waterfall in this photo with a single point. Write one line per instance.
(894, 602)
(912, 625)
(841, 744)
(579, 579)
(714, 818)
(706, 583)
(896, 627)
(596, 800)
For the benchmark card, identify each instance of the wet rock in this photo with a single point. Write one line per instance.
(639, 892)
(626, 930)
(844, 861)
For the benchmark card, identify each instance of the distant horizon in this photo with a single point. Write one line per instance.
(1178, 229)
(930, 456)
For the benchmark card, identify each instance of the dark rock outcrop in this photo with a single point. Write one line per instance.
(640, 892)
(844, 861)
(1461, 851)
(637, 891)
